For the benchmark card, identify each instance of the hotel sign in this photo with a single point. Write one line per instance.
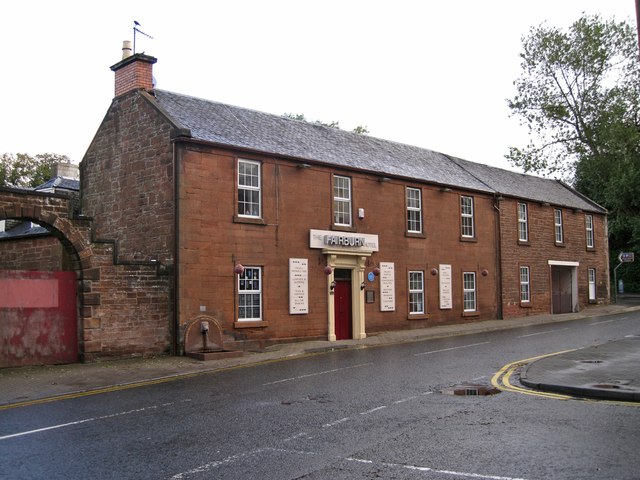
(343, 240)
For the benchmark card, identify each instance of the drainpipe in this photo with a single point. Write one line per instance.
(176, 255)
(496, 204)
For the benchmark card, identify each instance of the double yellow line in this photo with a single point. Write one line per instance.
(502, 379)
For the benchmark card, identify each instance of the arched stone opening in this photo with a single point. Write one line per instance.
(41, 269)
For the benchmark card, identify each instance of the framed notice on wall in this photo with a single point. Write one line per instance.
(298, 286)
(445, 287)
(387, 287)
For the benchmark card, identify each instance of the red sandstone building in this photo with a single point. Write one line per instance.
(272, 229)
(281, 229)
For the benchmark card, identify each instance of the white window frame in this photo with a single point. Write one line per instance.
(342, 204)
(592, 284)
(523, 222)
(588, 219)
(250, 294)
(414, 210)
(467, 226)
(525, 284)
(557, 221)
(416, 292)
(248, 187)
(469, 296)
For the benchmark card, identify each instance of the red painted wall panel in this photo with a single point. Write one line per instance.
(38, 318)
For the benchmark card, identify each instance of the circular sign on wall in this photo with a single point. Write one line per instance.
(370, 276)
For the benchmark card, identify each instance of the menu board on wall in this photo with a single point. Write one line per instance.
(298, 286)
(445, 287)
(387, 287)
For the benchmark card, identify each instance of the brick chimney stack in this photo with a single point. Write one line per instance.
(133, 72)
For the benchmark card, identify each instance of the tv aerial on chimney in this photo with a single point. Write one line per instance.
(136, 24)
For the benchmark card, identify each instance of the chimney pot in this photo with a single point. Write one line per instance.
(127, 51)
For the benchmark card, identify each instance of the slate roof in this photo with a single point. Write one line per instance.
(24, 229)
(60, 183)
(233, 126)
(529, 187)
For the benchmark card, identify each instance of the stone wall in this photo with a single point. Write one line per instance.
(127, 190)
(127, 181)
(41, 252)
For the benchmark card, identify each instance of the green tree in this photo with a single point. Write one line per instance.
(360, 129)
(22, 170)
(579, 96)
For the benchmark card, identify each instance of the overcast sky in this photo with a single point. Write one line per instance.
(435, 74)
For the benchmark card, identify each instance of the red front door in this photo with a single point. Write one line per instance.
(342, 299)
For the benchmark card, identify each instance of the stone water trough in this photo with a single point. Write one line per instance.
(203, 340)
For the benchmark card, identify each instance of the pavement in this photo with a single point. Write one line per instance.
(608, 371)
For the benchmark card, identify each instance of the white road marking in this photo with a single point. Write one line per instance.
(233, 458)
(92, 419)
(304, 435)
(542, 333)
(337, 422)
(435, 470)
(449, 349)
(604, 321)
(373, 410)
(316, 374)
(402, 400)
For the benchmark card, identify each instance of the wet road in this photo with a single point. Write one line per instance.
(356, 414)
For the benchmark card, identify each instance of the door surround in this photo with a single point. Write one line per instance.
(355, 262)
(572, 269)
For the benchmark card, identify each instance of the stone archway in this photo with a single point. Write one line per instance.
(125, 307)
(42, 274)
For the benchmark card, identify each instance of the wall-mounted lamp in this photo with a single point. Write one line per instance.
(328, 270)
(376, 272)
(383, 179)
(485, 272)
(238, 269)
(362, 286)
(434, 271)
(303, 166)
(445, 189)
(332, 286)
